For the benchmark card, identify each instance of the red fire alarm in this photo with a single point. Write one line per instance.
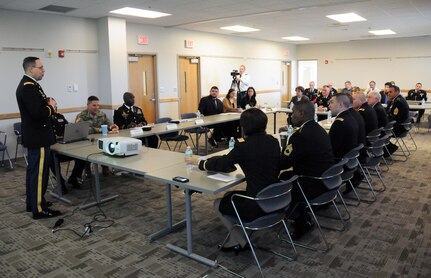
(61, 54)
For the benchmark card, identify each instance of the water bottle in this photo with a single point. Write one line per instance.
(315, 106)
(188, 153)
(289, 130)
(198, 114)
(423, 102)
(329, 114)
(231, 143)
(316, 118)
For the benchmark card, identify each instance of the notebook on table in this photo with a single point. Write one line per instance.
(74, 132)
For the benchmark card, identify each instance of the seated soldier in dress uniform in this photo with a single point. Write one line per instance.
(305, 160)
(128, 116)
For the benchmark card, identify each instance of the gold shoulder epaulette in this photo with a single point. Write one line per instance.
(339, 119)
(28, 83)
(241, 140)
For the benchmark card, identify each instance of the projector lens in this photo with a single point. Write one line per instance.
(111, 147)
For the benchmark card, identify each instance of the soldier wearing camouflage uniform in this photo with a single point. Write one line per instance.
(96, 118)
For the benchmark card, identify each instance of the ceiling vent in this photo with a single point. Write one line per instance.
(57, 9)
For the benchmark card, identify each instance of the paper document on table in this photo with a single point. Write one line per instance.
(222, 177)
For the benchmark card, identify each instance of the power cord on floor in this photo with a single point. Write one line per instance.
(90, 226)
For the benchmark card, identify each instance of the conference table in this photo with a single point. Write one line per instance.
(162, 166)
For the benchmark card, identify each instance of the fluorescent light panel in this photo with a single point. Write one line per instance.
(295, 38)
(239, 28)
(348, 17)
(382, 32)
(139, 12)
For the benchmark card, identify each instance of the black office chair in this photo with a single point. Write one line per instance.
(171, 136)
(274, 200)
(198, 130)
(3, 148)
(375, 156)
(332, 180)
(17, 131)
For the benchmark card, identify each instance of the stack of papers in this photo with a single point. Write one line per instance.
(222, 177)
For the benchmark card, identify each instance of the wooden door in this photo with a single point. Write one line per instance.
(285, 83)
(142, 83)
(189, 85)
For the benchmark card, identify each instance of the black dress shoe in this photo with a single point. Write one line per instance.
(236, 248)
(44, 214)
(301, 229)
(46, 205)
(54, 212)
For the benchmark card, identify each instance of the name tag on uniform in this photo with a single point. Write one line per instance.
(199, 122)
(171, 126)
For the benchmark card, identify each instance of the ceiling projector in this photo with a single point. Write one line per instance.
(119, 146)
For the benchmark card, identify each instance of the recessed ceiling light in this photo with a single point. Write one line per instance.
(348, 17)
(295, 38)
(382, 32)
(239, 28)
(139, 12)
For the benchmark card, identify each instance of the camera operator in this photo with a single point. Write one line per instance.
(240, 82)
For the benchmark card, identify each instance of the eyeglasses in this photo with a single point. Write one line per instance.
(41, 67)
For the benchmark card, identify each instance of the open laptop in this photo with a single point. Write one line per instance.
(74, 132)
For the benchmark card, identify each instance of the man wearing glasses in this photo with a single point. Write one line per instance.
(37, 136)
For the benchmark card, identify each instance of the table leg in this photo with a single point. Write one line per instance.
(99, 200)
(59, 193)
(170, 228)
(275, 122)
(189, 252)
(197, 142)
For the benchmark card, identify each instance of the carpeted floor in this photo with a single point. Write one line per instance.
(388, 238)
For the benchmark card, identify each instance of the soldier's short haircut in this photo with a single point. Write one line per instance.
(306, 107)
(92, 98)
(29, 62)
(361, 96)
(126, 95)
(253, 121)
(343, 98)
(396, 88)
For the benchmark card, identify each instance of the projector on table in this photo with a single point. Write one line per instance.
(119, 146)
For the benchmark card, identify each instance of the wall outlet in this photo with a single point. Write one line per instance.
(70, 88)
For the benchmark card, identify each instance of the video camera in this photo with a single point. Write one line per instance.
(234, 73)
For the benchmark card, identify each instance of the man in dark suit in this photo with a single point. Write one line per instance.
(374, 101)
(128, 116)
(306, 160)
(37, 136)
(211, 105)
(398, 111)
(367, 112)
(311, 92)
(419, 95)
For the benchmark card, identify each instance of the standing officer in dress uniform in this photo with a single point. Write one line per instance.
(305, 160)
(258, 155)
(37, 136)
(129, 116)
